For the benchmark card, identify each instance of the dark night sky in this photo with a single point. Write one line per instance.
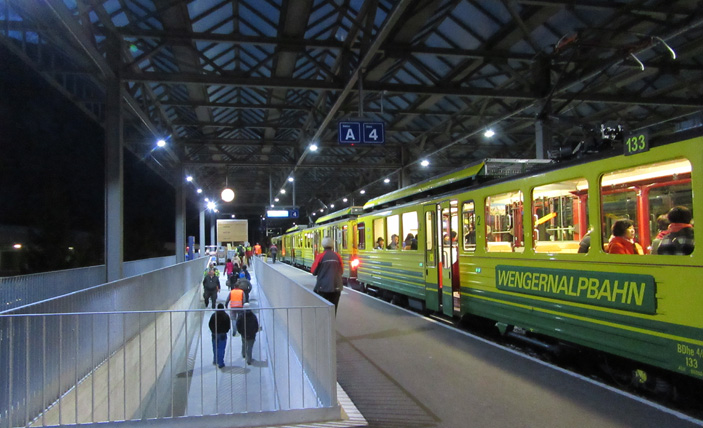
(52, 166)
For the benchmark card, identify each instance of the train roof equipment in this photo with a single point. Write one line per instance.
(295, 228)
(490, 168)
(343, 213)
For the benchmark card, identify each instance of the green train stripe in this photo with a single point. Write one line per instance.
(623, 322)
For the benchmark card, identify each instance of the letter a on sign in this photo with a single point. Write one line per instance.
(349, 132)
(350, 135)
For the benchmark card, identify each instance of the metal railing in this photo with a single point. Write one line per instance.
(134, 350)
(88, 368)
(17, 291)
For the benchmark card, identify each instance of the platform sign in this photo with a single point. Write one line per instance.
(374, 133)
(349, 132)
(282, 213)
(361, 132)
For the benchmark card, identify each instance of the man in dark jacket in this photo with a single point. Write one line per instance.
(219, 326)
(328, 267)
(211, 285)
(247, 326)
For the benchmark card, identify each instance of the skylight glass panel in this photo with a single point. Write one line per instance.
(120, 20)
(457, 35)
(211, 20)
(261, 26)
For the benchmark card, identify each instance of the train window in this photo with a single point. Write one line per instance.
(469, 221)
(641, 194)
(393, 232)
(379, 232)
(504, 231)
(361, 232)
(560, 216)
(410, 227)
(345, 229)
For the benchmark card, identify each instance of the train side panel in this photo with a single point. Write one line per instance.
(642, 307)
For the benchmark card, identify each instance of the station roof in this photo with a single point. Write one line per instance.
(240, 89)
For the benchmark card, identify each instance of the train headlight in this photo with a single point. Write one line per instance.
(355, 263)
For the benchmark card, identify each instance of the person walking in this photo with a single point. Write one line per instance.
(211, 285)
(249, 252)
(245, 284)
(328, 267)
(219, 327)
(247, 326)
(274, 252)
(229, 268)
(235, 301)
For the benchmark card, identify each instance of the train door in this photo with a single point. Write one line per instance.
(432, 288)
(447, 236)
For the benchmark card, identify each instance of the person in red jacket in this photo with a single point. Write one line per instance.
(328, 267)
(623, 239)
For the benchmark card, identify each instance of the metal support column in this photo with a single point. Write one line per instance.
(202, 233)
(543, 138)
(180, 215)
(114, 168)
(542, 86)
(213, 226)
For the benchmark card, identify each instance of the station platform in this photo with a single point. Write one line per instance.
(239, 387)
(401, 369)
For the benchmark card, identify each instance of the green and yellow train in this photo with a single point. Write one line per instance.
(509, 250)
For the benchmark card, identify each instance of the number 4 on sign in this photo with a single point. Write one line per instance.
(374, 133)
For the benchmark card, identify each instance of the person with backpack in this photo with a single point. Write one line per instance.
(245, 284)
(247, 326)
(679, 239)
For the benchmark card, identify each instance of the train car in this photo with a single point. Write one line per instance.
(390, 259)
(286, 251)
(342, 227)
(295, 244)
(514, 251)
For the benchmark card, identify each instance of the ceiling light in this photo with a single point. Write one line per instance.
(290, 179)
(331, 205)
(200, 191)
(211, 205)
(386, 180)
(227, 195)
(362, 192)
(313, 147)
(321, 210)
(489, 133)
(275, 199)
(161, 142)
(189, 178)
(283, 191)
(425, 162)
(344, 200)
